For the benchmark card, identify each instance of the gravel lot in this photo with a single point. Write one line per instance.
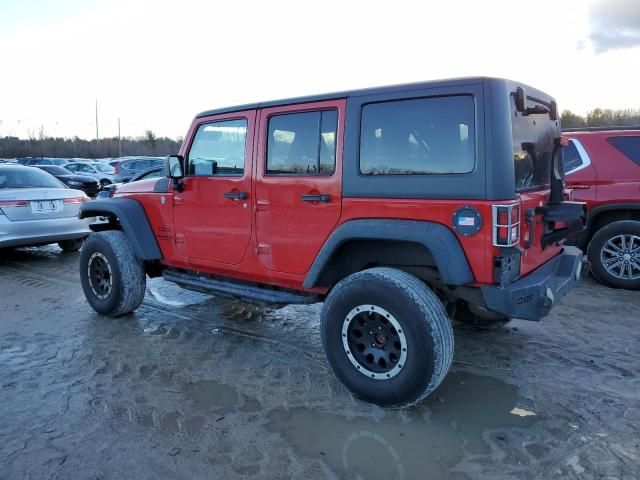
(193, 386)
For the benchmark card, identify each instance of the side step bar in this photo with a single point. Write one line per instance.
(237, 289)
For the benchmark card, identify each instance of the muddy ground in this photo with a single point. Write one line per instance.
(198, 387)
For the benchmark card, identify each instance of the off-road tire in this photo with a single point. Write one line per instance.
(599, 240)
(128, 279)
(425, 325)
(71, 245)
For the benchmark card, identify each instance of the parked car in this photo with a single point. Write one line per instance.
(127, 169)
(87, 184)
(42, 161)
(37, 209)
(104, 173)
(394, 205)
(155, 172)
(602, 167)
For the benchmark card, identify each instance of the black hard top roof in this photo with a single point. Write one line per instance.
(348, 93)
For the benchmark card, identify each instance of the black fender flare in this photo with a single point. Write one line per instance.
(443, 244)
(133, 219)
(611, 207)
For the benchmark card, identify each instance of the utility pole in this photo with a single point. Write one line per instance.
(97, 136)
(119, 140)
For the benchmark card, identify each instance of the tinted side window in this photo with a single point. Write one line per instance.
(571, 158)
(418, 137)
(142, 165)
(629, 146)
(218, 149)
(302, 143)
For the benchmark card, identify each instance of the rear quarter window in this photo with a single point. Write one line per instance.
(422, 136)
(629, 146)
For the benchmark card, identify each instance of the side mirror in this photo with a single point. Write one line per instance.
(174, 167)
(520, 97)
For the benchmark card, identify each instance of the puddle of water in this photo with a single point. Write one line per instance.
(424, 442)
(210, 395)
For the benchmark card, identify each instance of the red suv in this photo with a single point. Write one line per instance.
(602, 168)
(393, 205)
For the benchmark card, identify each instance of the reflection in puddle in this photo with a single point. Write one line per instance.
(424, 442)
(173, 295)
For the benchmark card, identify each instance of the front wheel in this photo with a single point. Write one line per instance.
(113, 279)
(387, 337)
(104, 182)
(614, 253)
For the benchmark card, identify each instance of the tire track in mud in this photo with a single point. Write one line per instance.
(161, 309)
(26, 274)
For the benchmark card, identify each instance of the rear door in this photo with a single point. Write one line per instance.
(298, 182)
(212, 217)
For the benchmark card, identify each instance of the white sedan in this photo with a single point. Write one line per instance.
(37, 209)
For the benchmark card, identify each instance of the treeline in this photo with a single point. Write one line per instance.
(601, 117)
(149, 145)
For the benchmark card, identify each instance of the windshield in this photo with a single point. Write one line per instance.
(104, 168)
(29, 178)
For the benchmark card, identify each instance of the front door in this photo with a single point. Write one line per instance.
(212, 215)
(298, 182)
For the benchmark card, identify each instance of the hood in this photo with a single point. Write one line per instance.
(141, 186)
(78, 178)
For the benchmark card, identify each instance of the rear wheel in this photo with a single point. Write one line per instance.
(387, 337)
(113, 279)
(104, 182)
(71, 245)
(614, 253)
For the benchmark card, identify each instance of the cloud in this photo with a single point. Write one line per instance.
(614, 24)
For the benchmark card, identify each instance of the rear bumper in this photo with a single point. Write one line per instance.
(533, 296)
(42, 232)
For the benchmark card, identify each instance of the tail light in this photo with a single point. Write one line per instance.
(13, 203)
(116, 168)
(506, 225)
(76, 200)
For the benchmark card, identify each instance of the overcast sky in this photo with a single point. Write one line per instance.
(156, 64)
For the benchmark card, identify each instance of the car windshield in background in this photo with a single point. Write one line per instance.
(103, 168)
(30, 178)
(55, 170)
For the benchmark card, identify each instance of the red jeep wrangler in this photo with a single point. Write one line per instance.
(602, 166)
(393, 205)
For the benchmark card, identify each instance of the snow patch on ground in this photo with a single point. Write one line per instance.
(171, 294)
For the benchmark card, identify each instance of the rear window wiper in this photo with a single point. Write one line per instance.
(520, 96)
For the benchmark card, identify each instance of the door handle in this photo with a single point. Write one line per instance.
(236, 195)
(323, 197)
